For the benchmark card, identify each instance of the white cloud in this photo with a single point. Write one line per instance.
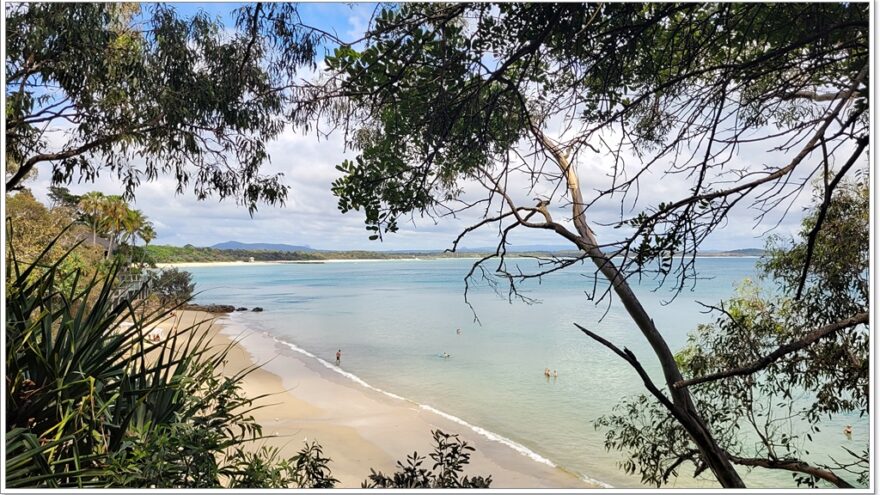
(311, 216)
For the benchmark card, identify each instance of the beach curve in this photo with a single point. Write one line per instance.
(361, 426)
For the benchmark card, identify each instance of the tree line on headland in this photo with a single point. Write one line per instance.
(193, 254)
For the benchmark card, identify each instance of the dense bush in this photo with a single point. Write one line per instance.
(172, 286)
(36, 226)
(92, 403)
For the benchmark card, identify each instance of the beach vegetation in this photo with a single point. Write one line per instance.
(115, 221)
(450, 456)
(32, 227)
(172, 286)
(92, 403)
(105, 228)
(267, 468)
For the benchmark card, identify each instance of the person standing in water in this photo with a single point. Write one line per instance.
(338, 356)
(458, 331)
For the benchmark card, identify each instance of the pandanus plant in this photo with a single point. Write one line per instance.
(91, 402)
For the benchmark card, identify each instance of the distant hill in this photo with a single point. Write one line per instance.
(260, 246)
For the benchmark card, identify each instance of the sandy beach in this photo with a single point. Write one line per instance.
(221, 263)
(207, 264)
(359, 428)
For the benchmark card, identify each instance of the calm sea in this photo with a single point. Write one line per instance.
(394, 320)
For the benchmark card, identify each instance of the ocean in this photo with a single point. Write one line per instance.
(394, 319)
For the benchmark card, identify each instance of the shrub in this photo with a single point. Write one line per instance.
(172, 286)
(450, 456)
(267, 469)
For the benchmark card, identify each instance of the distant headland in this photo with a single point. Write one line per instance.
(231, 251)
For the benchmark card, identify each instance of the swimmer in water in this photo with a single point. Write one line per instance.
(847, 431)
(458, 331)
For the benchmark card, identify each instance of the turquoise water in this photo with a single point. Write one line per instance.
(394, 319)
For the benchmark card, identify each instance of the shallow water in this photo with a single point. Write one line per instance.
(393, 320)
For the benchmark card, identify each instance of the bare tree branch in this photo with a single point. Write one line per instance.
(795, 465)
(811, 337)
(630, 358)
(816, 96)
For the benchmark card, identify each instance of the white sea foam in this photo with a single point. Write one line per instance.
(336, 369)
(521, 449)
(594, 481)
(491, 436)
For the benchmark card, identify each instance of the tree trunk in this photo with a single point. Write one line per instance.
(715, 457)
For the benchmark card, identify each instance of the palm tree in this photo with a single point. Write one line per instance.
(92, 204)
(115, 211)
(136, 225)
(133, 222)
(147, 232)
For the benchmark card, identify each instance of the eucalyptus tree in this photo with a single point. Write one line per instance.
(772, 367)
(138, 91)
(440, 97)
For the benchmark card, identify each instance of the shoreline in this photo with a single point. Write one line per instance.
(194, 264)
(207, 264)
(360, 426)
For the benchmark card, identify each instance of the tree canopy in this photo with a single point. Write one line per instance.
(140, 91)
(441, 94)
(517, 99)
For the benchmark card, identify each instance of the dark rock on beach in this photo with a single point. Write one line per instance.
(241, 309)
(211, 308)
(257, 309)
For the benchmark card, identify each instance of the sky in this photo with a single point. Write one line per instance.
(311, 217)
